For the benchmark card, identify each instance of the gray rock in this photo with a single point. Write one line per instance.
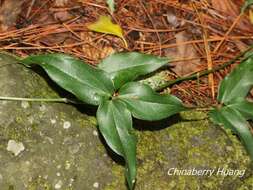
(61, 151)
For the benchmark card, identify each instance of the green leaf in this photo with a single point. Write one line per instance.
(111, 5)
(246, 4)
(146, 104)
(238, 83)
(232, 119)
(87, 83)
(126, 67)
(115, 124)
(244, 107)
(105, 25)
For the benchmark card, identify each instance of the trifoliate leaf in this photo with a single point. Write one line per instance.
(105, 25)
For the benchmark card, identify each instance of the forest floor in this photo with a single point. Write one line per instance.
(196, 34)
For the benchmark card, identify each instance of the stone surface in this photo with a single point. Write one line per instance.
(63, 149)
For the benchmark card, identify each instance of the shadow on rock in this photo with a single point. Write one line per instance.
(142, 125)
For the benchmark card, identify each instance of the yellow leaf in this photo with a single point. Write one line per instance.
(251, 15)
(105, 25)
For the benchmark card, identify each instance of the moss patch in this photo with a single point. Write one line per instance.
(193, 142)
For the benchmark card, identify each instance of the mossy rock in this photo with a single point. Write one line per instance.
(63, 150)
(189, 142)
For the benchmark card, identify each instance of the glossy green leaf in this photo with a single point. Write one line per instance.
(111, 5)
(246, 4)
(89, 84)
(232, 119)
(238, 83)
(126, 67)
(146, 104)
(244, 107)
(115, 124)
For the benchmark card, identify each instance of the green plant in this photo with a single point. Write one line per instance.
(112, 86)
(234, 110)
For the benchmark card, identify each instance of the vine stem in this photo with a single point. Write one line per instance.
(199, 108)
(65, 100)
(205, 72)
(59, 100)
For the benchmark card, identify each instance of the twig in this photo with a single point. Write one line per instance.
(151, 20)
(39, 9)
(212, 39)
(30, 8)
(207, 50)
(227, 33)
(205, 72)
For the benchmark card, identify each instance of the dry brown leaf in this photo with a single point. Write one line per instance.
(9, 11)
(60, 3)
(61, 15)
(95, 51)
(184, 51)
